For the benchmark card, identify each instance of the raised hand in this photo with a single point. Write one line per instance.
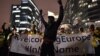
(59, 2)
(41, 12)
(41, 17)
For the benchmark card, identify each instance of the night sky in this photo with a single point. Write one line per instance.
(45, 5)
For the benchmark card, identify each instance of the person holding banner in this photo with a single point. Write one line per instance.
(81, 30)
(90, 51)
(50, 33)
(13, 35)
(6, 30)
(96, 41)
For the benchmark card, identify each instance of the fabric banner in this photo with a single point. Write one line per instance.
(73, 44)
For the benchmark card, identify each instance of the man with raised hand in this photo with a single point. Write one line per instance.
(50, 32)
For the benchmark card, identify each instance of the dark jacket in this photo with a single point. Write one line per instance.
(51, 30)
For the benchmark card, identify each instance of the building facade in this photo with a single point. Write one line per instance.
(79, 12)
(85, 9)
(93, 11)
(25, 15)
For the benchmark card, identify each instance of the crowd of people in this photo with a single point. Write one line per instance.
(52, 28)
(94, 43)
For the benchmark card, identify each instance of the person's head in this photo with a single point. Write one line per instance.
(92, 28)
(5, 25)
(81, 29)
(62, 30)
(51, 19)
(26, 31)
(14, 30)
(33, 28)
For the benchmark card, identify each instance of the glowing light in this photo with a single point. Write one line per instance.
(14, 6)
(52, 14)
(33, 18)
(97, 21)
(94, 0)
(25, 1)
(37, 13)
(27, 8)
(22, 28)
(92, 5)
(16, 11)
(25, 29)
(29, 17)
(17, 16)
(24, 22)
(34, 5)
(17, 21)
(56, 16)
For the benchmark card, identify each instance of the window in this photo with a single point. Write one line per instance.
(26, 7)
(17, 20)
(17, 15)
(92, 5)
(16, 11)
(24, 22)
(94, 0)
(81, 1)
(83, 4)
(14, 6)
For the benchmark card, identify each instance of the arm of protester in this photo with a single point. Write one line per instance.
(3, 26)
(42, 19)
(61, 12)
(9, 39)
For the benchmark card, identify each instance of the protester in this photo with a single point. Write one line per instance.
(50, 33)
(6, 30)
(33, 30)
(61, 31)
(1, 44)
(11, 38)
(90, 51)
(97, 41)
(81, 30)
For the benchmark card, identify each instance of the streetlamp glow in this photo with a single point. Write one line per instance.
(52, 14)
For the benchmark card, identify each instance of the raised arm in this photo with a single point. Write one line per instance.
(3, 26)
(42, 19)
(61, 12)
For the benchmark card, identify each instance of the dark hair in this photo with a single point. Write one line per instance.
(51, 18)
(25, 31)
(92, 27)
(14, 29)
(81, 29)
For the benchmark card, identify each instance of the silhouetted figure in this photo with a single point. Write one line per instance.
(11, 38)
(6, 31)
(97, 38)
(90, 51)
(1, 44)
(81, 30)
(50, 33)
(33, 28)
